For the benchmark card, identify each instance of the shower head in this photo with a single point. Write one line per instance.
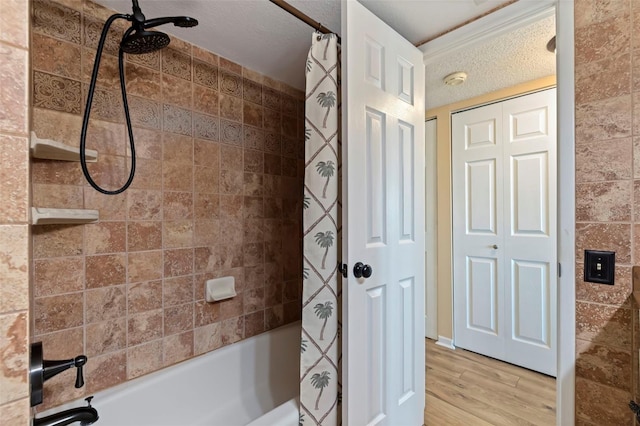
(142, 41)
(138, 40)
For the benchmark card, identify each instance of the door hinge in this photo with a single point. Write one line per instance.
(559, 270)
(342, 267)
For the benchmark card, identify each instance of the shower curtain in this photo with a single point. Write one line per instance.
(320, 363)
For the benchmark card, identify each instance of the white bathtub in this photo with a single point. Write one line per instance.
(255, 381)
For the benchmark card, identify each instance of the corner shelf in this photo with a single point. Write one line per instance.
(46, 216)
(49, 149)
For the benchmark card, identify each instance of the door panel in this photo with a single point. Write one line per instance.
(480, 134)
(529, 194)
(375, 179)
(408, 348)
(529, 124)
(530, 289)
(407, 180)
(383, 166)
(481, 197)
(406, 88)
(504, 220)
(377, 344)
(374, 63)
(482, 294)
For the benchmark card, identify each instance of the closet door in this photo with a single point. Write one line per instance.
(505, 238)
(478, 258)
(530, 230)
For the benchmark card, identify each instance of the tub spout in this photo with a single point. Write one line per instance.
(85, 415)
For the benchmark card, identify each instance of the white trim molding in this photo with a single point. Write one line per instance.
(516, 15)
(565, 382)
(445, 342)
(431, 253)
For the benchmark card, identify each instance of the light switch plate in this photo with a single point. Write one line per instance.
(599, 266)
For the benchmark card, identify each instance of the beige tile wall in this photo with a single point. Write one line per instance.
(14, 203)
(607, 47)
(217, 192)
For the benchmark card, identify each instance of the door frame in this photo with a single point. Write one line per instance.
(504, 20)
(431, 263)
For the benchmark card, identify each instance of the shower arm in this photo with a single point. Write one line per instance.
(155, 22)
(87, 111)
(138, 16)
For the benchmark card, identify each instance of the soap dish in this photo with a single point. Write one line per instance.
(220, 289)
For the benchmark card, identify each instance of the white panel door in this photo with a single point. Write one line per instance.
(504, 220)
(383, 166)
(530, 237)
(477, 218)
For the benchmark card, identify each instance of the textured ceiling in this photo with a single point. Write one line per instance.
(505, 61)
(259, 35)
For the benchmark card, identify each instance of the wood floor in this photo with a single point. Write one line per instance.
(467, 389)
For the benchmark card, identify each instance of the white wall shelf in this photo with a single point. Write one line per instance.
(49, 149)
(47, 216)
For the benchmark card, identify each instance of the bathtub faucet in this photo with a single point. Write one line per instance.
(85, 415)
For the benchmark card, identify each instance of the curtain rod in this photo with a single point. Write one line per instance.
(304, 18)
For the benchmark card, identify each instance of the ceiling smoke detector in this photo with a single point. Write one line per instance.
(455, 79)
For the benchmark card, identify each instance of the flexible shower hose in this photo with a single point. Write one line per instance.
(87, 111)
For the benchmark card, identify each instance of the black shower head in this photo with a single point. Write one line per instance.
(143, 41)
(138, 40)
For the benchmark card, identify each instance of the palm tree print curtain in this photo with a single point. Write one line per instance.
(320, 390)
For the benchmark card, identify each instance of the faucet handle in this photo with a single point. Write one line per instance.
(79, 362)
(88, 399)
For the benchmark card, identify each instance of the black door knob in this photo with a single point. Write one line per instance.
(367, 271)
(357, 270)
(361, 270)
